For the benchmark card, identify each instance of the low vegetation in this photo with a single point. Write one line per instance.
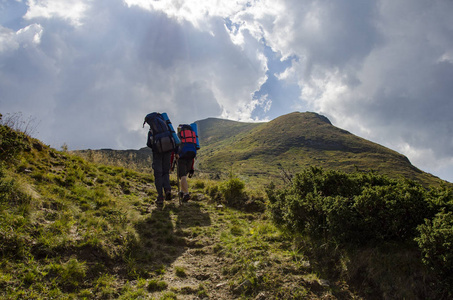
(388, 220)
(75, 228)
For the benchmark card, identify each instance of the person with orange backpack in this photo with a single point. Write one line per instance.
(185, 157)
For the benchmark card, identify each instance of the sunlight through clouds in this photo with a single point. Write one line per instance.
(71, 10)
(196, 12)
(30, 34)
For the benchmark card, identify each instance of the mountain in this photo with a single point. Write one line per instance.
(291, 143)
(276, 150)
(74, 229)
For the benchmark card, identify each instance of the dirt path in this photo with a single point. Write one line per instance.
(228, 254)
(197, 272)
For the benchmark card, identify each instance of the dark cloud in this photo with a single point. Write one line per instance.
(405, 92)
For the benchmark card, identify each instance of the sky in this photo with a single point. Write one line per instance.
(88, 71)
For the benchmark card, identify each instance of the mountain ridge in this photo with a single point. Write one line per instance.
(299, 140)
(261, 151)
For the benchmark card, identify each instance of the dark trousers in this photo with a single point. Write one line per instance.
(161, 166)
(184, 166)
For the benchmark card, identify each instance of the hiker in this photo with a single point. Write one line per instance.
(185, 156)
(163, 140)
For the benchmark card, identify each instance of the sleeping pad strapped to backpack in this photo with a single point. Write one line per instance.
(188, 138)
(160, 136)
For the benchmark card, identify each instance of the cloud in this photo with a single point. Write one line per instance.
(91, 70)
(101, 69)
(401, 92)
(379, 69)
(70, 10)
(199, 13)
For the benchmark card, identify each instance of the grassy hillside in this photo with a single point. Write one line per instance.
(276, 150)
(290, 144)
(140, 160)
(74, 229)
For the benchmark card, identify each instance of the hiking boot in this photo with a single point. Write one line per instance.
(186, 198)
(160, 201)
(168, 195)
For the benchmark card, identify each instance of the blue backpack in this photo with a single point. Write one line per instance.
(160, 137)
(188, 146)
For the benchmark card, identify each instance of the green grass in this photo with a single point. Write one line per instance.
(180, 271)
(68, 234)
(74, 228)
(156, 285)
(259, 151)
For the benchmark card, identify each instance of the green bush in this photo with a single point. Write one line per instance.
(233, 191)
(213, 191)
(358, 211)
(441, 198)
(350, 208)
(436, 244)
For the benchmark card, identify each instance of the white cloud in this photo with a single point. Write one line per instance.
(197, 12)
(7, 40)
(30, 35)
(103, 75)
(71, 10)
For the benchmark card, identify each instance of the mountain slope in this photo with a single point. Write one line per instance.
(275, 150)
(291, 143)
(70, 229)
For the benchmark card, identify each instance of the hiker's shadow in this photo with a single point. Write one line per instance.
(163, 236)
(191, 215)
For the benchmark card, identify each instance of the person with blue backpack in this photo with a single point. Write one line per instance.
(163, 140)
(185, 157)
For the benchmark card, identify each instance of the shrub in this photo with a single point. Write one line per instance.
(350, 208)
(391, 212)
(358, 211)
(436, 244)
(441, 198)
(213, 191)
(233, 191)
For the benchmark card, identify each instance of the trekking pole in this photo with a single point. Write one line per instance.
(173, 167)
(179, 183)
